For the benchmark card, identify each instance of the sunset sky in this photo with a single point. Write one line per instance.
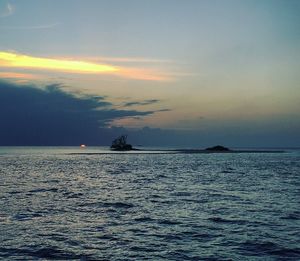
(227, 70)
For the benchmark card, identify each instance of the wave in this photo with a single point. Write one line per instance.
(257, 248)
(223, 220)
(40, 252)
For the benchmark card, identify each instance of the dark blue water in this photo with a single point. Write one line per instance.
(54, 205)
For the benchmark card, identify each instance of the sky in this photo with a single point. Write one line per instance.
(168, 72)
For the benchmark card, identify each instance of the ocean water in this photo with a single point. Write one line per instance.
(59, 205)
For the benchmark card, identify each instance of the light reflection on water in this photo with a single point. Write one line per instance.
(54, 205)
(78, 150)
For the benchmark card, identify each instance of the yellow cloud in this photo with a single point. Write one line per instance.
(24, 61)
(13, 60)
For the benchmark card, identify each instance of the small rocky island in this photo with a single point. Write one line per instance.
(217, 148)
(120, 144)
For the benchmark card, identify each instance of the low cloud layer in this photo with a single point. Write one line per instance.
(51, 116)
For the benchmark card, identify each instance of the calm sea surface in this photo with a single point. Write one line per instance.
(126, 206)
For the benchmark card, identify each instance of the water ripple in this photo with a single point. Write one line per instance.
(157, 207)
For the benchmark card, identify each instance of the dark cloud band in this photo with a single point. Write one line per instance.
(51, 116)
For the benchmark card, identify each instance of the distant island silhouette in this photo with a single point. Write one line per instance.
(217, 148)
(120, 144)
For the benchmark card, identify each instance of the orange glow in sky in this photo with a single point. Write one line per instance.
(13, 75)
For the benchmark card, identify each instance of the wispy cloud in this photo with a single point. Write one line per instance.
(140, 103)
(144, 74)
(131, 60)
(13, 75)
(8, 10)
(30, 27)
(135, 121)
(14, 60)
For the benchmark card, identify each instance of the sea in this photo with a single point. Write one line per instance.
(72, 203)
